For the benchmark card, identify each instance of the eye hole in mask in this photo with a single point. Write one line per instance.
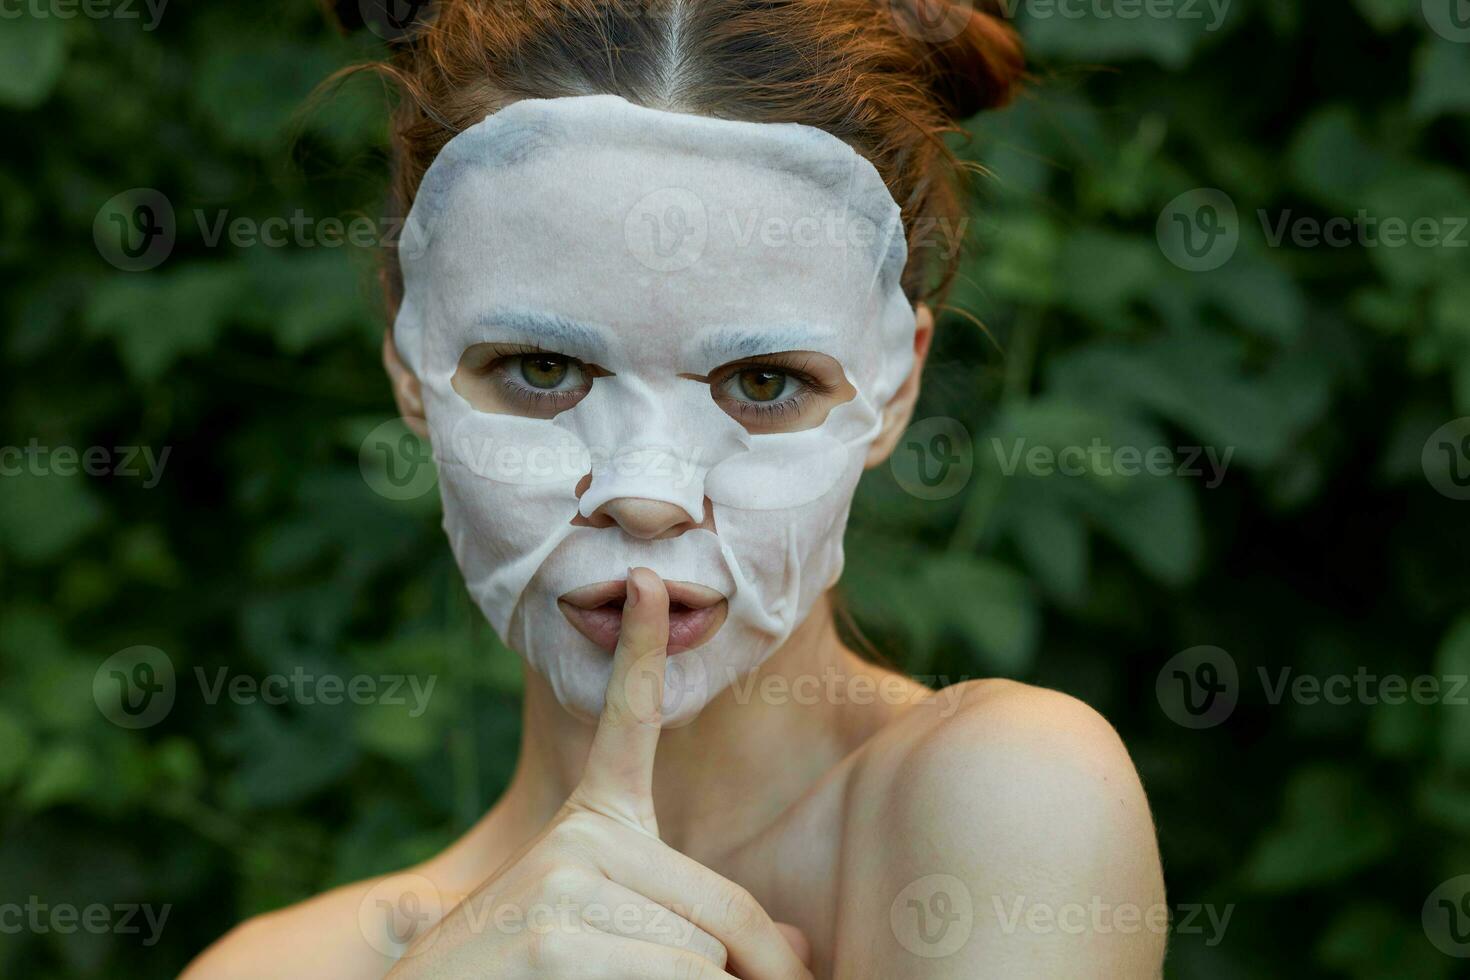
(516, 379)
(782, 392)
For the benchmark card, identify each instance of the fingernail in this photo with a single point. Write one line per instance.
(633, 596)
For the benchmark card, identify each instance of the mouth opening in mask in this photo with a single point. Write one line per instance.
(696, 613)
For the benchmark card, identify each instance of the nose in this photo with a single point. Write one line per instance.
(642, 518)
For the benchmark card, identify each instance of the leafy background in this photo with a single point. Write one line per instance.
(263, 547)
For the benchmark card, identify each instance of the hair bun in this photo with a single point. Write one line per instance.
(971, 54)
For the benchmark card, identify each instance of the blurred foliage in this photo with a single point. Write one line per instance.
(263, 549)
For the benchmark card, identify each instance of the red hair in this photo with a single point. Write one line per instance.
(889, 77)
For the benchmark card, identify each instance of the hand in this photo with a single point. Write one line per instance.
(597, 894)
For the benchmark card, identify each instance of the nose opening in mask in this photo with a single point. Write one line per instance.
(657, 474)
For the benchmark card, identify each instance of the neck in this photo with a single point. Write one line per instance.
(728, 774)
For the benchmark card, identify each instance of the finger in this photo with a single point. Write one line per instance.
(621, 911)
(605, 957)
(757, 949)
(796, 939)
(618, 780)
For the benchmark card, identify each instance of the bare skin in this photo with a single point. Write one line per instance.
(794, 826)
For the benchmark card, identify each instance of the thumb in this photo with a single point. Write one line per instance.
(618, 780)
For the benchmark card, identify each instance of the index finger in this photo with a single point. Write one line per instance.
(618, 780)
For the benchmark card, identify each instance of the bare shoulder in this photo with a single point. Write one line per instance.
(1007, 821)
(351, 931)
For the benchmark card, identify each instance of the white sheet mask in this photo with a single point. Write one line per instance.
(658, 246)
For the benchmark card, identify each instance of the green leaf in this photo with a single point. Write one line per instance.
(1418, 233)
(41, 516)
(1441, 78)
(1053, 542)
(282, 761)
(1445, 803)
(250, 86)
(312, 295)
(1259, 295)
(1331, 826)
(1385, 15)
(64, 773)
(989, 604)
(1332, 161)
(1452, 665)
(1371, 940)
(32, 54)
(1157, 523)
(156, 318)
(883, 588)
(1099, 273)
(16, 747)
(1107, 34)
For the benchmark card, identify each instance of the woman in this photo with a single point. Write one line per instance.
(663, 293)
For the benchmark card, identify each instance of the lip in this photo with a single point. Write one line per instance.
(696, 613)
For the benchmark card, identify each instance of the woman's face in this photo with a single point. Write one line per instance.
(652, 339)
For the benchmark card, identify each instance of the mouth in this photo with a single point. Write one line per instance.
(696, 613)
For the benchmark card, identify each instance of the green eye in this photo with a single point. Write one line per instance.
(762, 386)
(543, 370)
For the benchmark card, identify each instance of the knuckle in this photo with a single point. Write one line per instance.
(582, 828)
(541, 950)
(688, 966)
(738, 910)
(712, 949)
(564, 881)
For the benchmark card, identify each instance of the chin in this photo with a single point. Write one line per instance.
(578, 670)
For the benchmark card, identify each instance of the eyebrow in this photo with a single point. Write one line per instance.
(729, 343)
(566, 335)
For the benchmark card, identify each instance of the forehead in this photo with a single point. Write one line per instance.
(656, 225)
